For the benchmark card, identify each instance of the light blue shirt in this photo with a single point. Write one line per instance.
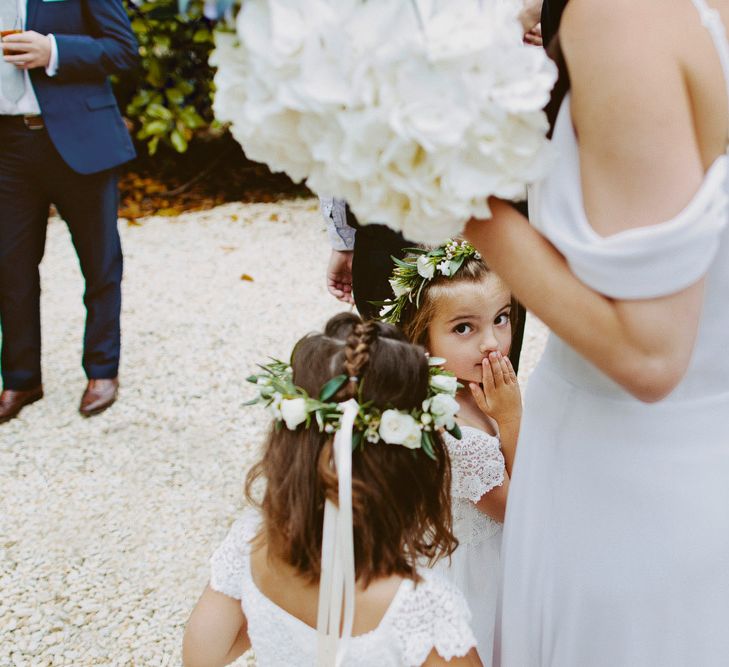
(28, 104)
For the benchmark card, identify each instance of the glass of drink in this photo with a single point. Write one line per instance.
(14, 30)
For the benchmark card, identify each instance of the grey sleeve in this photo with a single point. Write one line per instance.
(341, 235)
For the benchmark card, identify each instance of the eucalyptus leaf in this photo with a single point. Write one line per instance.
(427, 444)
(332, 387)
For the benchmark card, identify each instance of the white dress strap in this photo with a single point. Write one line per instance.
(711, 19)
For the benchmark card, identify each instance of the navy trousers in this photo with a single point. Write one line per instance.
(32, 176)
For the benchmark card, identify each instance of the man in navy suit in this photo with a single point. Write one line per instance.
(61, 138)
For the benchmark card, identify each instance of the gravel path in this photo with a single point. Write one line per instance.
(106, 524)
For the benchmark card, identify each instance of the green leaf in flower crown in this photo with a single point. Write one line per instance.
(455, 431)
(356, 439)
(332, 387)
(456, 264)
(401, 264)
(420, 291)
(253, 401)
(319, 420)
(252, 378)
(427, 444)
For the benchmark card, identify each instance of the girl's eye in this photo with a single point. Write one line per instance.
(502, 319)
(463, 328)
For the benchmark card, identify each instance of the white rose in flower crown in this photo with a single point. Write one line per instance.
(446, 383)
(425, 267)
(293, 412)
(399, 428)
(444, 408)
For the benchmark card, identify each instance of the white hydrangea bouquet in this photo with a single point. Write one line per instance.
(414, 111)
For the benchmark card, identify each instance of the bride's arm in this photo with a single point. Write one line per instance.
(640, 165)
(645, 346)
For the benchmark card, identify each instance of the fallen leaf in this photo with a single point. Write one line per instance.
(170, 211)
(246, 277)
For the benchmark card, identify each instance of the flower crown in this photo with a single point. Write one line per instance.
(418, 268)
(292, 406)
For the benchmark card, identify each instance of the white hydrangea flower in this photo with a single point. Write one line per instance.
(293, 412)
(445, 267)
(399, 428)
(414, 120)
(446, 383)
(444, 408)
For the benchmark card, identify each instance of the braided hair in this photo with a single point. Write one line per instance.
(400, 497)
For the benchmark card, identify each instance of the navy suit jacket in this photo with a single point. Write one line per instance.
(79, 110)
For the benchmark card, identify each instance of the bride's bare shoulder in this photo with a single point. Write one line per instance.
(625, 43)
(633, 20)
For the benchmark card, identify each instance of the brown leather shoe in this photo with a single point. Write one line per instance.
(13, 401)
(99, 395)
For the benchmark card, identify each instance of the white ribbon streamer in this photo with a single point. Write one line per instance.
(336, 584)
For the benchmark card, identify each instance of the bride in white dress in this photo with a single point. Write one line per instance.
(616, 544)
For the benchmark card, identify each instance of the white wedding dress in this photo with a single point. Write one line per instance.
(422, 617)
(477, 466)
(616, 543)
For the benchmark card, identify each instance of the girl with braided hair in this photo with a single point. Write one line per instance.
(272, 578)
(453, 305)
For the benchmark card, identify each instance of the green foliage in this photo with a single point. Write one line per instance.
(171, 100)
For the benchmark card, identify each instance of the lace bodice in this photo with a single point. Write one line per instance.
(431, 614)
(477, 466)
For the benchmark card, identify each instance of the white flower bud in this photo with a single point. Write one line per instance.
(425, 267)
(445, 383)
(293, 412)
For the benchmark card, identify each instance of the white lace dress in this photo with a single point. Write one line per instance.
(429, 615)
(477, 466)
(616, 542)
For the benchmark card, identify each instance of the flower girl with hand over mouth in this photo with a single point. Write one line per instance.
(327, 570)
(447, 300)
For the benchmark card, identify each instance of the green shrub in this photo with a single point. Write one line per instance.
(170, 100)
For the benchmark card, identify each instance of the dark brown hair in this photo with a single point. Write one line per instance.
(400, 497)
(416, 321)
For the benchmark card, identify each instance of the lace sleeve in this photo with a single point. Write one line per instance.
(434, 615)
(477, 464)
(228, 563)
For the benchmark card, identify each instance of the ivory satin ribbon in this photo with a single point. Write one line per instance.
(336, 584)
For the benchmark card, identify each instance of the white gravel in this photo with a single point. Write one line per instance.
(106, 524)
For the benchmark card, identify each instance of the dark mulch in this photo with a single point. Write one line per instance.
(212, 172)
